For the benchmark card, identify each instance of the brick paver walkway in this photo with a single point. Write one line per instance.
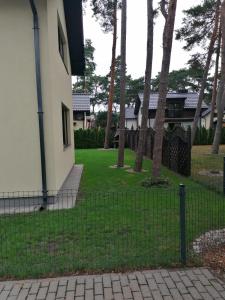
(160, 284)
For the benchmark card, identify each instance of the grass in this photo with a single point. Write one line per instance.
(116, 225)
(203, 161)
(98, 176)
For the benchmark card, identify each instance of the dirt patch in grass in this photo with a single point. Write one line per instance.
(116, 167)
(211, 173)
(109, 149)
(134, 172)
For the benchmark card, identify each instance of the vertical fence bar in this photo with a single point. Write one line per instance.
(183, 254)
(224, 176)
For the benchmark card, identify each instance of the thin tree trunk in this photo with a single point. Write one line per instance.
(215, 83)
(147, 90)
(206, 71)
(120, 162)
(221, 91)
(163, 86)
(112, 81)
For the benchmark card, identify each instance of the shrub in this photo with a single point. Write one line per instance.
(205, 136)
(90, 138)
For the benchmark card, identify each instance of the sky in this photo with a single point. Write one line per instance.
(136, 39)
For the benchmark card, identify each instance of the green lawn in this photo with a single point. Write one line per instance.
(116, 224)
(98, 176)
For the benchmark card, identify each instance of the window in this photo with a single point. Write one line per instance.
(66, 125)
(175, 110)
(62, 44)
(79, 116)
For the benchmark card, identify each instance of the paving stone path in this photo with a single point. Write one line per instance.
(158, 285)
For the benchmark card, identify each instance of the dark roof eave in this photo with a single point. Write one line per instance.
(74, 24)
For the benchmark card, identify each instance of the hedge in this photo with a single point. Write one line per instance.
(94, 138)
(90, 138)
(205, 136)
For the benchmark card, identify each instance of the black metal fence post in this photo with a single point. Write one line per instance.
(183, 254)
(224, 176)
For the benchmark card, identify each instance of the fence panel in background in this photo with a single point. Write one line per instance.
(176, 148)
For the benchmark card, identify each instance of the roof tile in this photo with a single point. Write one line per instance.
(81, 102)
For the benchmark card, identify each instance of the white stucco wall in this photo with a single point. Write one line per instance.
(206, 121)
(20, 153)
(131, 122)
(79, 125)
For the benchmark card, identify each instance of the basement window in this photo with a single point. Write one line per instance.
(66, 126)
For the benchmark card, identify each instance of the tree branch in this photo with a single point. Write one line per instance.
(163, 5)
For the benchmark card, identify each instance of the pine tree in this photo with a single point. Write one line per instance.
(147, 89)
(120, 162)
(221, 90)
(106, 12)
(169, 15)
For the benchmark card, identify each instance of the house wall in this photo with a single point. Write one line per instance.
(79, 125)
(188, 113)
(206, 121)
(20, 152)
(61, 92)
(131, 122)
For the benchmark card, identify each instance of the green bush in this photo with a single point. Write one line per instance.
(90, 138)
(205, 136)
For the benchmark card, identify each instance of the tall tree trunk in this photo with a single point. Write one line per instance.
(120, 162)
(215, 82)
(221, 91)
(112, 80)
(206, 71)
(147, 90)
(163, 86)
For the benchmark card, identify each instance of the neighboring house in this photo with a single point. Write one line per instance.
(36, 116)
(206, 115)
(180, 109)
(130, 118)
(81, 111)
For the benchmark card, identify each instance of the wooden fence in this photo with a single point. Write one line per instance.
(176, 148)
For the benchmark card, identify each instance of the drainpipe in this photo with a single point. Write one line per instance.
(39, 101)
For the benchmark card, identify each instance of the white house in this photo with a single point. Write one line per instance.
(81, 111)
(41, 48)
(131, 121)
(180, 109)
(206, 115)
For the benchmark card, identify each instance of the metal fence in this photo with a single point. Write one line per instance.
(92, 232)
(209, 170)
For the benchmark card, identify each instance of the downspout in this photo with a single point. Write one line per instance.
(39, 101)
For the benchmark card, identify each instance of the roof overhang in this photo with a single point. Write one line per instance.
(74, 24)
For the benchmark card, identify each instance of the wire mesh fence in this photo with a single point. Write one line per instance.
(208, 169)
(80, 232)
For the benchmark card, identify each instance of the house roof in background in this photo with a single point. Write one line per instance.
(206, 112)
(81, 102)
(191, 99)
(74, 24)
(129, 113)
